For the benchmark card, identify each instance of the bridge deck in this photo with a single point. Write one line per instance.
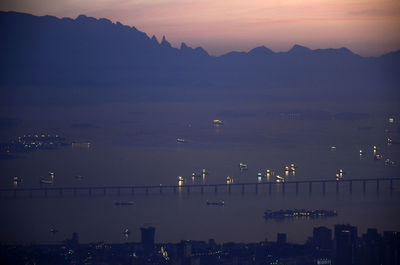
(44, 191)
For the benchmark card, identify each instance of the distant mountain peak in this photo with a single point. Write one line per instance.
(154, 39)
(299, 49)
(184, 46)
(198, 51)
(260, 51)
(345, 50)
(164, 42)
(81, 17)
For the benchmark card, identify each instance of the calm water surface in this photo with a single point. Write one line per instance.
(136, 145)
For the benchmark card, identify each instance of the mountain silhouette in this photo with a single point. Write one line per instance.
(62, 59)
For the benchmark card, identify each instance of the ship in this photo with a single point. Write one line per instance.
(299, 213)
(45, 181)
(219, 203)
(124, 203)
(340, 174)
(218, 122)
(17, 180)
(181, 140)
(280, 179)
(242, 166)
(78, 177)
(389, 162)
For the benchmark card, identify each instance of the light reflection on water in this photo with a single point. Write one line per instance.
(186, 216)
(143, 150)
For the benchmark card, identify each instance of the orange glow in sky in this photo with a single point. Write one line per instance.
(368, 27)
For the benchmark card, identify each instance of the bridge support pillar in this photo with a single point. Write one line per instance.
(297, 188)
(202, 189)
(104, 191)
(377, 185)
(229, 189)
(310, 187)
(391, 186)
(188, 189)
(216, 188)
(147, 190)
(364, 187)
(256, 188)
(283, 187)
(242, 188)
(351, 187)
(323, 187)
(337, 188)
(270, 188)
(132, 190)
(160, 189)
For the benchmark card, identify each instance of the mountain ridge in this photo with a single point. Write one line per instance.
(49, 52)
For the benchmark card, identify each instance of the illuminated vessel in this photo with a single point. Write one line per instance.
(299, 213)
(280, 179)
(218, 122)
(124, 203)
(389, 162)
(181, 140)
(242, 166)
(219, 203)
(44, 181)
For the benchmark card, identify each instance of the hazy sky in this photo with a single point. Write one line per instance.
(368, 27)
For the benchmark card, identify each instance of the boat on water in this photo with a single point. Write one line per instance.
(219, 203)
(124, 203)
(17, 180)
(340, 174)
(181, 140)
(218, 122)
(299, 213)
(47, 182)
(242, 166)
(280, 179)
(389, 162)
(78, 177)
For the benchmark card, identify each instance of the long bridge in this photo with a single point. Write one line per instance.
(255, 187)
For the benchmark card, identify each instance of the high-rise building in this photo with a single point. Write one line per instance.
(345, 239)
(147, 238)
(391, 247)
(322, 238)
(281, 238)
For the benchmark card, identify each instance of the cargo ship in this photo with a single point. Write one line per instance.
(219, 203)
(124, 203)
(299, 213)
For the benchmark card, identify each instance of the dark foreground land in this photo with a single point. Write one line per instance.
(344, 248)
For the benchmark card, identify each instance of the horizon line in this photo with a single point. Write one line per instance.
(116, 22)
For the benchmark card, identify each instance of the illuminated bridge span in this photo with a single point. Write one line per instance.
(308, 186)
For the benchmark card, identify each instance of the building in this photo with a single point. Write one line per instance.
(345, 242)
(281, 238)
(322, 238)
(147, 234)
